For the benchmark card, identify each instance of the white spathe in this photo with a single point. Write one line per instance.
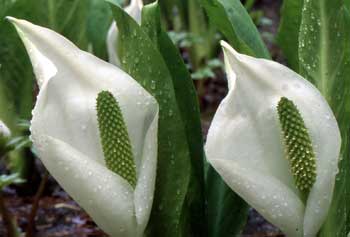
(4, 130)
(5, 135)
(134, 10)
(245, 143)
(65, 131)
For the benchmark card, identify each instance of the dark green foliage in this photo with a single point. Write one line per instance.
(288, 33)
(189, 111)
(143, 61)
(233, 21)
(324, 59)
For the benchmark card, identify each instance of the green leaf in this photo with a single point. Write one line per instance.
(324, 54)
(5, 4)
(175, 14)
(98, 23)
(19, 142)
(6, 180)
(232, 19)
(322, 43)
(142, 60)
(66, 17)
(288, 33)
(189, 111)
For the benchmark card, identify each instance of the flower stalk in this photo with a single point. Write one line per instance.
(8, 220)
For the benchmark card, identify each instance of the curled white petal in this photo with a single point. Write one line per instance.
(246, 128)
(134, 10)
(66, 110)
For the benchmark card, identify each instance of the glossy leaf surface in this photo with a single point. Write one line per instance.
(324, 60)
(141, 59)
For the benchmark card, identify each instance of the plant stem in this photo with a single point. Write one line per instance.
(32, 215)
(9, 223)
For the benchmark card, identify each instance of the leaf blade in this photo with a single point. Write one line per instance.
(324, 56)
(288, 33)
(189, 110)
(173, 175)
(231, 18)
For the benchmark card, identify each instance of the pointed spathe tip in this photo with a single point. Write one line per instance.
(15, 21)
(227, 48)
(11, 19)
(224, 44)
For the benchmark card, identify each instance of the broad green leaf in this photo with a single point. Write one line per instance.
(6, 180)
(142, 60)
(233, 21)
(338, 220)
(288, 33)
(322, 43)
(189, 111)
(324, 54)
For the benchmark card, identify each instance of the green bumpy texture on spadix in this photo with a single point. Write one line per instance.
(114, 136)
(299, 151)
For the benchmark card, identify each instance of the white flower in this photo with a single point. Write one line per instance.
(4, 130)
(246, 144)
(5, 134)
(65, 130)
(134, 10)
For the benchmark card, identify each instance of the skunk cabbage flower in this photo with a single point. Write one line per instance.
(5, 134)
(275, 142)
(95, 130)
(4, 130)
(134, 10)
